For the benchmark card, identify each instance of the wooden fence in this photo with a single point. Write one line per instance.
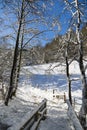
(59, 96)
(31, 121)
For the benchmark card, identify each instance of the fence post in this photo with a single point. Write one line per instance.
(64, 97)
(45, 105)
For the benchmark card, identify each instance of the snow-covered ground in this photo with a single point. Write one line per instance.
(37, 83)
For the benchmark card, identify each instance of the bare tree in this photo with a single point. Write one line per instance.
(83, 110)
(22, 10)
(67, 70)
(78, 15)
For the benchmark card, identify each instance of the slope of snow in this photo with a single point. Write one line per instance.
(37, 83)
(51, 76)
(52, 68)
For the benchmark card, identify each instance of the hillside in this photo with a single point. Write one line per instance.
(35, 85)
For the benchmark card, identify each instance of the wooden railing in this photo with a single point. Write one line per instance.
(31, 121)
(73, 117)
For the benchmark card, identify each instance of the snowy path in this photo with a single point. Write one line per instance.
(57, 118)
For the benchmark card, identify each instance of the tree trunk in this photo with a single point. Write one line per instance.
(83, 110)
(18, 72)
(19, 59)
(13, 71)
(68, 78)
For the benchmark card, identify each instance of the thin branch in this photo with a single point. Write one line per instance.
(35, 36)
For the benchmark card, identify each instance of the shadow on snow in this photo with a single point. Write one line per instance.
(58, 81)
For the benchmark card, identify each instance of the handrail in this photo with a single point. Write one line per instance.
(73, 117)
(30, 118)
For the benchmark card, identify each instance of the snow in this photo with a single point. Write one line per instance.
(57, 117)
(37, 83)
(52, 68)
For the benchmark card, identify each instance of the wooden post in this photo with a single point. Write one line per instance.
(53, 91)
(64, 97)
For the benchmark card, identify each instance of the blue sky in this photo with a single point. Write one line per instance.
(56, 11)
